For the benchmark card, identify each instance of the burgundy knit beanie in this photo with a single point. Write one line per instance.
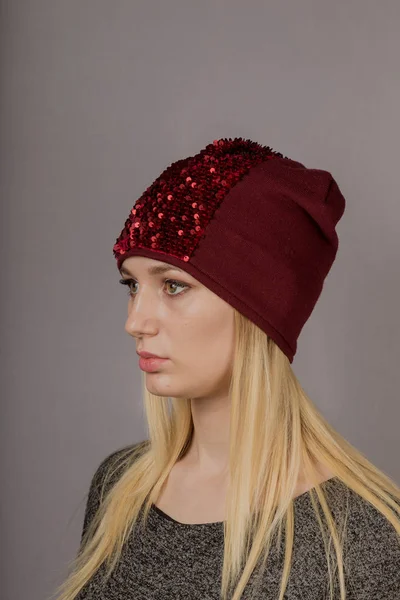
(252, 225)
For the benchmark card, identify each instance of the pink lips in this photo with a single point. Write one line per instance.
(145, 354)
(151, 364)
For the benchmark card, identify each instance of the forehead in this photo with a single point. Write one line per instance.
(154, 267)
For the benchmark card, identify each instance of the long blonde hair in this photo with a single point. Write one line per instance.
(276, 433)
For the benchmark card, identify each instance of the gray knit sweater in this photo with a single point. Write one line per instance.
(177, 561)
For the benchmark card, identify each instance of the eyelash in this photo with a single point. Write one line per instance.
(128, 283)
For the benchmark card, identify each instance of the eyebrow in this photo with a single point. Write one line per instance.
(156, 270)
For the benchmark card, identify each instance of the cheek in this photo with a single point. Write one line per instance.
(202, 356)
(207, 342)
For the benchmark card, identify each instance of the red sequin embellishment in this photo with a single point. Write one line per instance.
(189, 192)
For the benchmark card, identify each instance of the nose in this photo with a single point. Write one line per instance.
(141, 315)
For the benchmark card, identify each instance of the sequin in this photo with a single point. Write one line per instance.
(209, 175)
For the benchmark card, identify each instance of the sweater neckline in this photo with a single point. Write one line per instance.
(218, 524)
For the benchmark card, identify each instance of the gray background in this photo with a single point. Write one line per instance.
(97, 97)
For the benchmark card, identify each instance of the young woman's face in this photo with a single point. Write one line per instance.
(184, 322)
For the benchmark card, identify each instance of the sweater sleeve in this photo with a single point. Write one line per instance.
(372, 554)
(103, 479)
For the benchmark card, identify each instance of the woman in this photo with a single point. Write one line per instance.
(242, 489)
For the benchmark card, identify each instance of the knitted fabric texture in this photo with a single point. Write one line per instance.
(255, 227)
(171, 560)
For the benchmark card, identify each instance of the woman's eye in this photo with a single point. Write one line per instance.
(132, 282)
(176, 284)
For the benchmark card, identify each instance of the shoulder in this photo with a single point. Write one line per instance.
(106, 475)
(371, 552)
(112, 466)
